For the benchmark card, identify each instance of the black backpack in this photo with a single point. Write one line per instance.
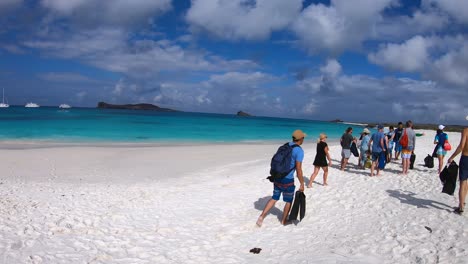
(429, 161)
(281, 162)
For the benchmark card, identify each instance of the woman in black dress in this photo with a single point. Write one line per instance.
(321, 160)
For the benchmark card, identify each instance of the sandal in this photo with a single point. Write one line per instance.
(458, 211)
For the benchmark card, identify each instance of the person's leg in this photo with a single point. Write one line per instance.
(462, 194)
(406, 167)
(267, 208)
(403, 164)
(325, 175)
(397, 150)
(359, 159)
(372, 168)
(312, 177)
(287, 207)
(345, 162)
(441, 162)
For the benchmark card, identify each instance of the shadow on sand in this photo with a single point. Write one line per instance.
(410, 198)
(260, 204)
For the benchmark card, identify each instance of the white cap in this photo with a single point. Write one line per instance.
(441, 127)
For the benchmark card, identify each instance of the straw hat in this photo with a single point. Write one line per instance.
(298, 134)
(366, 131)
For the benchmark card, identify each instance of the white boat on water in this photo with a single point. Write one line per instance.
(31, 105)
(3, 104)
(64, 106)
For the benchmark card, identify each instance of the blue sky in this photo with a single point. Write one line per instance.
(356, 60)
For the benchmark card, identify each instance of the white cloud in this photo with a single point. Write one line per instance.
(332, 68)
(242, 19)
(65, 77)
(403, 27)
(456, 8)
(451, 67)
(112, 50)
(410, 56)
(366, 98)
(442, 59)
(109, 12)
(342, 25)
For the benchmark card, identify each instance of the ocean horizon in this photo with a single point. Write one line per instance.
(93, 125)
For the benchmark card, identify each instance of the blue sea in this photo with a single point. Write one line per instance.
(138, 126)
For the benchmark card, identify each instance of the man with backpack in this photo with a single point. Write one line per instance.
(283, 181)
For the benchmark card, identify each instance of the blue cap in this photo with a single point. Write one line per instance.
(380, 127)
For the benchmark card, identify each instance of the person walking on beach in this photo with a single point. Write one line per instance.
(463, 170)
(391, 143)
(321, 160)
(439, 140)
(378, 142)
(396, 140)
(286, 185)
(408, 143)
(364, 148)
(345, 141)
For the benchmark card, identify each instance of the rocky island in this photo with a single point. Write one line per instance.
(242, 113)
(135, 107)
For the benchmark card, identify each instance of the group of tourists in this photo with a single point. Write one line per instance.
(377, 149)
(380, 145)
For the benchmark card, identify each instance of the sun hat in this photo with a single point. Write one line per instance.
(298, 134)
(366, 131)
(441, 127)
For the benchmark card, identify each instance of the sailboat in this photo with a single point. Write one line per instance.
(3, 105)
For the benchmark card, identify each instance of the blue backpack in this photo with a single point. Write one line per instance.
(281, 162)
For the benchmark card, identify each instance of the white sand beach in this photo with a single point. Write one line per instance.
(199, 204)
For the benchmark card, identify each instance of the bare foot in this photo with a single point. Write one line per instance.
(309, 186)
(325, 184)
(259, 221)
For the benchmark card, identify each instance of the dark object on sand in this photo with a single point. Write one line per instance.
(255, 250)
(448, 177)
(429, 161)
(298, 205)
(354, 150)
(412, 159)
(428, 228)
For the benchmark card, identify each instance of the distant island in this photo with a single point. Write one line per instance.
(242, 113)
(135, 107)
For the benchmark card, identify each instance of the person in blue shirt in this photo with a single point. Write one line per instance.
(391, 143)
(439, 140)
(379, 144)
(364, 148)
(285, 186)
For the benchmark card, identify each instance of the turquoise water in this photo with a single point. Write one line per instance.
(109, 125)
